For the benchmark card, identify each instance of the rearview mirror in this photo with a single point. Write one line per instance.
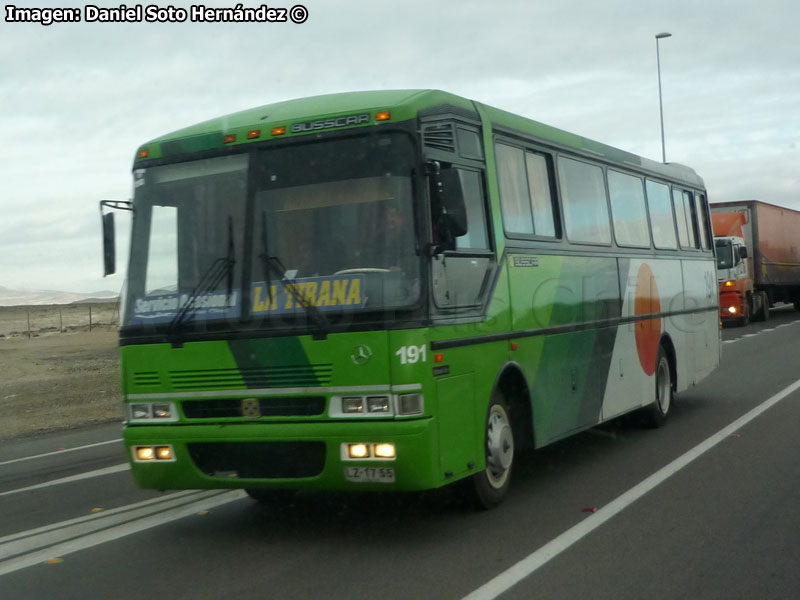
(109, 247)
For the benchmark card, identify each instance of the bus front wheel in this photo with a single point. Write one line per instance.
(491, 485)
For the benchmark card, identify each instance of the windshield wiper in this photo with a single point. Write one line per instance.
(220, 268)
(272, 264)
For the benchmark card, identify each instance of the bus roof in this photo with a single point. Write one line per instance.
(403, 105)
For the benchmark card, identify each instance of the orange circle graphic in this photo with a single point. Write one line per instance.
(648, 331)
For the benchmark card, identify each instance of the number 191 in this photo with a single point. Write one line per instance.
(412, 354)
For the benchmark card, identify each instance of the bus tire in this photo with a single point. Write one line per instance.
(490, 486)
(655, 415)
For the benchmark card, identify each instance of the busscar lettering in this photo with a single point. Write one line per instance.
(43, 16)
(331, 123)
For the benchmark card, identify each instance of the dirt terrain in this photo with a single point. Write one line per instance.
(53, 380)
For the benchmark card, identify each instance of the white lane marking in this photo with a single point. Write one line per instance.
(16, 460)
(65, 540)
(509, 578)
(747, 335)
(71, 478)
(106, 513)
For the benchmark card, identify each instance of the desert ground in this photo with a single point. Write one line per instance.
(57, 374)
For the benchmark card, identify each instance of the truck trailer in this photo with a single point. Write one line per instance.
(758, 258)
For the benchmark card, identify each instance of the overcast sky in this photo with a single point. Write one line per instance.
(77, 99)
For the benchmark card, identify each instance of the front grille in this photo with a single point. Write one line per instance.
(259, 460)
(260, 377)
(219, 408)
(146, 379)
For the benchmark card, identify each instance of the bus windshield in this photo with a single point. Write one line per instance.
(332, 232)
(337, 218)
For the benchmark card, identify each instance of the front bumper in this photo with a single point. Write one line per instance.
(297, 456)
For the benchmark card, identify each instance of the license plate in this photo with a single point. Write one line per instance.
(369, 474)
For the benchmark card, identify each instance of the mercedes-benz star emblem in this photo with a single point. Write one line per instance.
(361, 354)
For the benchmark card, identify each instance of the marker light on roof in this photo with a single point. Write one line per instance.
(229, 139)
(143, 153)
(279, 130)
(383, 116)
(253, 134)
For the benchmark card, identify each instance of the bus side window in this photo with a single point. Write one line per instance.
(702, 219)
(512, 179)
(628, 210)
(541, 195)
(526, 198)
(476, 236)
(691, 219)
(660, 209)
(583, 195)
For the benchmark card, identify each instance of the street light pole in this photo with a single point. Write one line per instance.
(661, 36)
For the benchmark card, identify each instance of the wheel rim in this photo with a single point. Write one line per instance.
(663, 395)
(499, 446)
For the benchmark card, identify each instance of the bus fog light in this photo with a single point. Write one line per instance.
(378, 404)
(164, 453)
(145, 453)
(357, 451)
(410, 404)
(352, 404)
(385, 450)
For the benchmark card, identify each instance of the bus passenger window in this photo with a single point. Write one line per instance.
(691, 219)
(660, 208)
(583, 191)
(700, 202)
(513, 183)
(541, 198)
(628, 210)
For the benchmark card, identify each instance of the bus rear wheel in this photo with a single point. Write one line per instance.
(655, 415)
(490, 486)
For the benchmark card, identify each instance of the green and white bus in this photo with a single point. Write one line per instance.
(398, 290)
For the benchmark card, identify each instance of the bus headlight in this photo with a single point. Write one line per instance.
(147, 412)
(352, 404)
(410, 404)
(732, 310)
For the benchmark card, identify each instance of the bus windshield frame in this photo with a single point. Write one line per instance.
(338, 219)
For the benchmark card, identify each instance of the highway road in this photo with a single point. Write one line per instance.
(706, 507)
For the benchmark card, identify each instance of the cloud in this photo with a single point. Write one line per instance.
(78, 99)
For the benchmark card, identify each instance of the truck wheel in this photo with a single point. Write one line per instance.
(746, 316)
(764, 307)
(490, 486)
(655, 415)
